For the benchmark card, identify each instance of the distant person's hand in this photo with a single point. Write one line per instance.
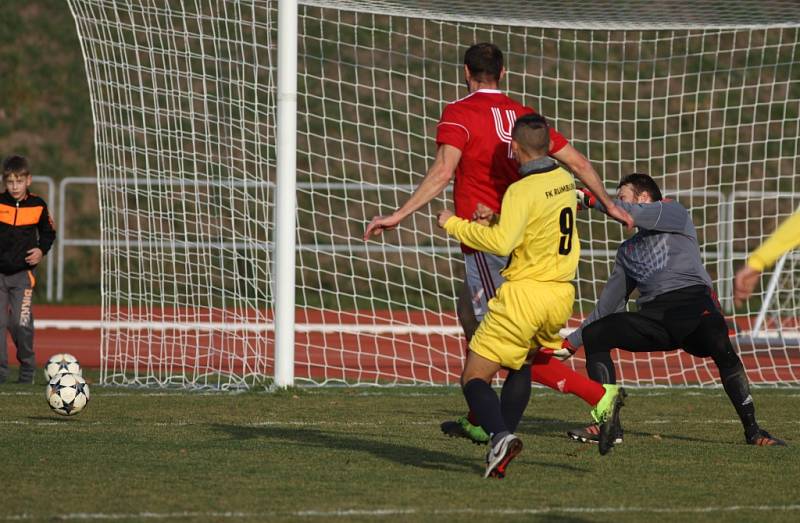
(744, 284)
(443, 216)
(34, 256)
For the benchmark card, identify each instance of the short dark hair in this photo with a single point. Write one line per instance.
(640, 183)
(484, 61)
(532, 134)
(16, 165)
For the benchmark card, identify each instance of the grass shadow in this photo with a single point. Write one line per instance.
(305, 436)
(398, 453)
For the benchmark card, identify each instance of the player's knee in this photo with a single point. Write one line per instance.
(469, 375)
(725, 357)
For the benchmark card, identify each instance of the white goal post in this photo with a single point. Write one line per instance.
(237, 172)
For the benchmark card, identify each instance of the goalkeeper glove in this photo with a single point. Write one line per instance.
(566, 351)
(586, 199)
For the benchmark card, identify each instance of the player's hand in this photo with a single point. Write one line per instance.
(380, 224)
(566, 351)
(442, 217)
(744, 283)
(586, 199)
(34, 256)
(483, 215)
(621, 215)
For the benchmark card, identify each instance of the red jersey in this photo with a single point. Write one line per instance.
(480, 126)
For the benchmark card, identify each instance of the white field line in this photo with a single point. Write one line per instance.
(392, 512)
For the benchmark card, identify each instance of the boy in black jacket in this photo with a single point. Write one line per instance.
(26, 235)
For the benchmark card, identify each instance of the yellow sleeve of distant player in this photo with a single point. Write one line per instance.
(500, 238)
(785, 238)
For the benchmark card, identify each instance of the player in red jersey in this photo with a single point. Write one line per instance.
(474, 148)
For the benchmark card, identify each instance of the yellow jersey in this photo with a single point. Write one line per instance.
(536, 226)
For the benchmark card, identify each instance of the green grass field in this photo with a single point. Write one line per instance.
(364, 454)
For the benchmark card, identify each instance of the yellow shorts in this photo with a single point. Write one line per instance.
(524, 315)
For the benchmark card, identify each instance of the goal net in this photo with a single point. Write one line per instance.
(703, 96)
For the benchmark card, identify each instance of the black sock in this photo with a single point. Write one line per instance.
(515, 396)
(483, 402)
(599, 366)
(737, 387)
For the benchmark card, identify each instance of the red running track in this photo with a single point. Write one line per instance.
(408, 358)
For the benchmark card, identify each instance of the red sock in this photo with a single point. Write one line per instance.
(551, 372)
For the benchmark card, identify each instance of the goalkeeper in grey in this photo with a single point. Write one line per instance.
(677, 305)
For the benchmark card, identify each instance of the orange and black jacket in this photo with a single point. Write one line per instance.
(24, 225)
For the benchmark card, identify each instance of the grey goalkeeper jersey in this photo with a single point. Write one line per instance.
(662, 256)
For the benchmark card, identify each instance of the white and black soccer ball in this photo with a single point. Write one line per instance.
(67, 394)
(60, 364)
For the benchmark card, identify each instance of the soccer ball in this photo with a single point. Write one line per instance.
(61, 363)
(67, 394)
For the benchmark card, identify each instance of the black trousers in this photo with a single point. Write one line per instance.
(688, 318)
(16, 299)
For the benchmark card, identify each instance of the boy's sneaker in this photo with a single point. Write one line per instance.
(762, 438)
(500, 456)
(26, 375)
(606, 414)
(462, 428)
(591, 434)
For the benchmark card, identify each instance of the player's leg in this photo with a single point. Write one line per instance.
(476, 382)
(481, 280)
(626, 331)
(502, 340)
(552, 372)
(20, 294)
(515, 396)
(523, 313)
(4, 312)
(606, 400)
(482, 400)
(710, 339)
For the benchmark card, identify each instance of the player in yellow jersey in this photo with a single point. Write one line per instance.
(785, 238)
(537, 228)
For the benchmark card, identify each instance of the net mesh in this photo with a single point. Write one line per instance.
(705, 99)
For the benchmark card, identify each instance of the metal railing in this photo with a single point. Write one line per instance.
(723, 256)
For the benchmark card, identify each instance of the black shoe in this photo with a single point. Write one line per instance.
(611, 424)
(591, 434)
(762, 438)
(2, 379)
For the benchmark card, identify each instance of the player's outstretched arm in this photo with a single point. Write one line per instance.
(436, 179)
(580, 167)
